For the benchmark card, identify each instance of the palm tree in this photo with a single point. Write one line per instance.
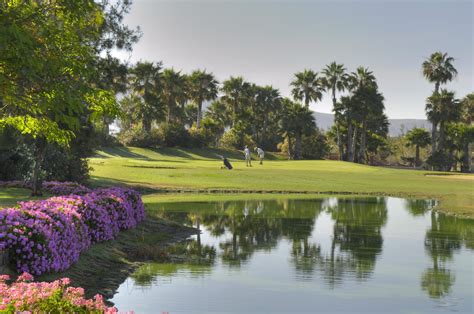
(336, 79)
(467, 130)
(145, 84)
(438, 69)
(361, 82)
(202, 87)
(307, 87)
(296, 120)
(418, 137)
(236, 96)
(443, 108)
(173, 92)
(267, 103)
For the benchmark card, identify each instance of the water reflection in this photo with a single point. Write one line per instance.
(348, 249)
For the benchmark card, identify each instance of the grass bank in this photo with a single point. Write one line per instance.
(198, 170)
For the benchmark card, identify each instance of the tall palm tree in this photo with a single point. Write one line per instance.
(307, 87)
(202, 87)
(360, 81)
(236, 96)
(296, 120)
(267, 103)
(419, 138)
(173, 92)
(438, 69)
(336, 79)
(145, 83)
(441, 109)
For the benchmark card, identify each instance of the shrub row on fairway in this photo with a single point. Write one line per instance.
(52, 187)
(49, 235)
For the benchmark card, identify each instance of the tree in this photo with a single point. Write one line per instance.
(438, 69)
(266, 106)
(237, 93)
(467, 133)
(202, 87)
(307, 87)
(362, 83)
(336, 79)
(47, 94)
(173, 93)
(144, 103)
(419, 138)
(443, 108)
(296, 121)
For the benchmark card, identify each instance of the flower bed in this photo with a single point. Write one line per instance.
(49, 235)
(43, 297)
(52, 187)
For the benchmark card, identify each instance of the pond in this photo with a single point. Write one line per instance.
(364, 254)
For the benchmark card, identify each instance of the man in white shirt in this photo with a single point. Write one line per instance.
(260, 154)
(248, 158)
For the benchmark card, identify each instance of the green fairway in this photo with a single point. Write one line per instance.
(199, 170)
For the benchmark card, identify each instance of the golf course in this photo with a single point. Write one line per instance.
(199, 170)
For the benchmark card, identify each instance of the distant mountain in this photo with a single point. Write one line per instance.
(396, 128)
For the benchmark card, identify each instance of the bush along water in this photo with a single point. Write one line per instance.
(52, 187)
(24, 296)
(49, 235)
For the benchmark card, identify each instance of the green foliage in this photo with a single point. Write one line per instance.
(418, 137)
(307, 87)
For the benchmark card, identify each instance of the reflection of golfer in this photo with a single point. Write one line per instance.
(226, 163)
(248, 158)
(260, 154)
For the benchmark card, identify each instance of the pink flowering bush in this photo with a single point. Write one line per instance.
(42, 297)
(49, 235)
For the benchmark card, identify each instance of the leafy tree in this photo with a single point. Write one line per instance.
(296, 121)
(438, 69)
(47, 94)
(307, 87)
(202, 87)
(336, 79)
(418, 137)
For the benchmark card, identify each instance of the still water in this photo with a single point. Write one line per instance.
(354, 255)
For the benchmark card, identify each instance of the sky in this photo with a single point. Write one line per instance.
(267, 41)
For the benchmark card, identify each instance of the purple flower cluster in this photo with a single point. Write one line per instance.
(52, 187)
(64, 188)
(49, 235)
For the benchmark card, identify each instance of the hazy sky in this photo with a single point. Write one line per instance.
(267, 41)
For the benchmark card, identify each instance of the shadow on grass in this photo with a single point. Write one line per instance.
(123, 152)
(206, 153)
(10, 196)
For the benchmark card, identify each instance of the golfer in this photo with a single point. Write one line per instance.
(248, 158)
(260, 154)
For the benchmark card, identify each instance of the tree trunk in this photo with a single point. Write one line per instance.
(298, 148)
(289, 147)
(363, 140)
(417, 156)
(441, 137)
(354, 143)
(199, 115)
(349, 142)
(466, 160)
(264, 132)
(306, 102)
(433, 138)
(147, 125)
(40, 146)
(338, 134)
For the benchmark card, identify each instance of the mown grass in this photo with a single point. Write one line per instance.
(183, 170)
